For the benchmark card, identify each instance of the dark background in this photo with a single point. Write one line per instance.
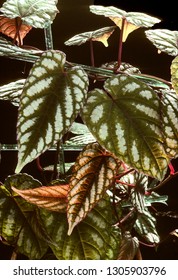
(75, 18)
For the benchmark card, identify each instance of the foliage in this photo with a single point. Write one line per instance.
(126, 130)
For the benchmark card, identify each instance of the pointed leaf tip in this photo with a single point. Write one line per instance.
(50, 102)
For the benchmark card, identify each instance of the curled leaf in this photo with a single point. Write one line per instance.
(132, 20)
(14, 28)
(101, 35)
(38, 14)
(164, 40)
(53, 198)
(12, 91)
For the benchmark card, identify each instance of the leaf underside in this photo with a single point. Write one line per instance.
(93, 174)
(50, 102)
(125, 120)
(164, 40)
(38, 14)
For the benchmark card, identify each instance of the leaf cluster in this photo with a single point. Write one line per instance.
(127, 136)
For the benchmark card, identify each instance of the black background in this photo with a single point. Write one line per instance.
(74, 18)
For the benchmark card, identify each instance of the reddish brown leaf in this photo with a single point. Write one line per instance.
(14, 28)
(53, 198)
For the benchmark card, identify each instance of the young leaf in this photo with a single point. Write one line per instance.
(133, 20)
(93, 174)
(98, 35)
(50, 102)
(39, 14)
(12, 91)
(125, 120)
(93, 239)
(174, 73)
(129, 247)
(53, 198)
(19, 225)
(14, 28)
(164, 40)
(145, 226)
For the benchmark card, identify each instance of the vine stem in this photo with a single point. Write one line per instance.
(120, 43)
(48, 38)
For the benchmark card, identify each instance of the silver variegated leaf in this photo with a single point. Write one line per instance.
(164, 40)
(38, 14)
(145, 226)
(12, 91)
(169, 114)
(174, 73)
(138, 19)
(50, 102)
(93, 174)
(97, 35)
(125, 119)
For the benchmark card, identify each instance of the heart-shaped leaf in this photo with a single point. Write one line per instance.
(169, 115)
(53, 198)
(39, 14)
(50, 102)
(14, 28)
(174, 73)
(132, 20)
(164, 40)
(125, 119)
(98, 35)
(93, 174)
(12, 91)
(19, 225)
(93, 239)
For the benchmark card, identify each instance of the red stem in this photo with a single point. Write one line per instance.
(92, 54)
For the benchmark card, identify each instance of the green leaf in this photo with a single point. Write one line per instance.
(98, 35)
(39, 14)
(12, 91)
(51, 99)
(169, 116)
(133, 20)
(174, 73)
(129, 247)
(125, 119)
(93, 239)
(19, 225)
(93, 174)
(164, 40)
(145, 226)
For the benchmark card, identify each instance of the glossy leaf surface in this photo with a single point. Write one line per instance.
(19, 225)
(93, 239)
(93, 174)
(125, 120)
(53, 198)
(164, 40)
(101, 35)
(38, 14)
(50, 102)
